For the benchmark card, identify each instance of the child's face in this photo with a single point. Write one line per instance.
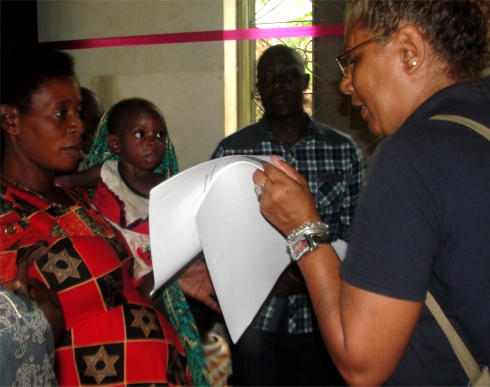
(141, 140)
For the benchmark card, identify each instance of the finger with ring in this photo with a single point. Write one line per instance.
(258, 188)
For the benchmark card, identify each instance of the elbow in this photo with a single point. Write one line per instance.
(363, 380)
(374, 376)
(370, 369)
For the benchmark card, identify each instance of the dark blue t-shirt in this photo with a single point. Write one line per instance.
(423, 223)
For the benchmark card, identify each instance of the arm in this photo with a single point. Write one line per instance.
(365, 333)
(195, 282)
(48, 302)
(289, 283)
(83, 179)
(47, 299)
(146, 286)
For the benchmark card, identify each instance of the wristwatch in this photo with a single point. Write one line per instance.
(306, 238)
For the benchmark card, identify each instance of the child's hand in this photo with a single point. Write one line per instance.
(48, 302)
(63, 180)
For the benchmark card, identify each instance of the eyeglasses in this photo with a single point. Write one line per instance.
(344, 61)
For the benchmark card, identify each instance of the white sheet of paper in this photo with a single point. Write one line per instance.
(244, 253)
(212, 207)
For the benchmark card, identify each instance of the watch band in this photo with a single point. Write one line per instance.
(306, 238)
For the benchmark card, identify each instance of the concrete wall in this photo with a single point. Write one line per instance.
(186, 81)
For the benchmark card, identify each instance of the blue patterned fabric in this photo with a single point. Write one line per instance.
(26, 342)
(333, 165)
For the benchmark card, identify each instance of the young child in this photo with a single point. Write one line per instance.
(131, 153)
(134, 131)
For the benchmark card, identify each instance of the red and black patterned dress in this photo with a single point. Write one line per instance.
(114, 335)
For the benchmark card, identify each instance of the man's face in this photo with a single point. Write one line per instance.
(281, 81)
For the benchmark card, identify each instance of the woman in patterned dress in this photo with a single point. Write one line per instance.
(113, 336)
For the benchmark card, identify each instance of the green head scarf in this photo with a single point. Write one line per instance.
(100, 152)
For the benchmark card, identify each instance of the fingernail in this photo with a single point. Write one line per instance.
(16, 284)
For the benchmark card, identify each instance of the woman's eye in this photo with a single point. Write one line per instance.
(61, 113)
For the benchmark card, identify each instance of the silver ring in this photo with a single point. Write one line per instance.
(258, 189)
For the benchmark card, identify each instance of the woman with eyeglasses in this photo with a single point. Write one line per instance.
(414, 69)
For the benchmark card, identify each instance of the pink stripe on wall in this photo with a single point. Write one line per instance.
(194, 37)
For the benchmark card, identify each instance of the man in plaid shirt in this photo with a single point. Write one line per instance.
(283, 345)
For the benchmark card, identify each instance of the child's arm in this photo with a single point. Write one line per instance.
(146, 285)
(83, 179)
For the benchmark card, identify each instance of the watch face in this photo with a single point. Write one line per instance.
(305, 238)
(300, 247)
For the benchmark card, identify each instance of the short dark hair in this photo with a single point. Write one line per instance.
(280, 49)
(457, 30)
(23, 72)
(114, 118)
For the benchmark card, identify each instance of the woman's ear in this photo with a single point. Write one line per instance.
(413, 48)
(9, 116)
(113, 143)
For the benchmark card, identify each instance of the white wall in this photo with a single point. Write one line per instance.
(186, 81)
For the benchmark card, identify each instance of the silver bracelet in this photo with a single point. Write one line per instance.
(306, 238)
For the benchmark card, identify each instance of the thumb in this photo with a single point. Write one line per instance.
(287, 169)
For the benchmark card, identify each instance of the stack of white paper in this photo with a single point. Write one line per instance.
(212, 208)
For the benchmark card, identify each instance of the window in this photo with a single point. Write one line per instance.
(323, 100)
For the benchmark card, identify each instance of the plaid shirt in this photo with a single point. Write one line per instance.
(332, 163)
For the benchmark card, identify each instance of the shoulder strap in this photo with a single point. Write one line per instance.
(476, 126)
(467, 361)
(469, 364)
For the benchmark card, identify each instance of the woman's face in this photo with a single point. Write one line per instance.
(374, 83)
(50, 133)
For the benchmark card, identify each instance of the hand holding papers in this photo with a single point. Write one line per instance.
(212, 207)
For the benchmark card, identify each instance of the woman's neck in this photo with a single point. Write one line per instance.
(39, 182)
